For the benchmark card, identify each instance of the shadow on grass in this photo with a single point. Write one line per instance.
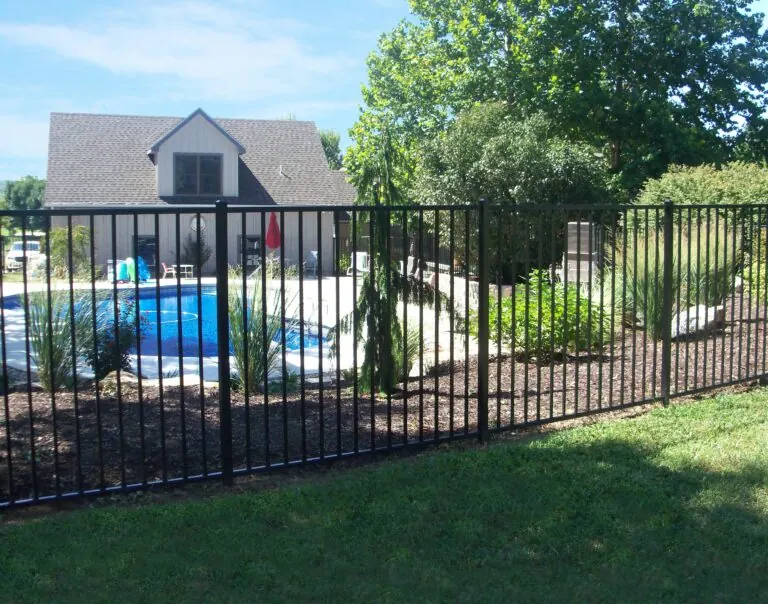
(575, 516)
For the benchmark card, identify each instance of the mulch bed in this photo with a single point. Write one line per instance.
(127, 441)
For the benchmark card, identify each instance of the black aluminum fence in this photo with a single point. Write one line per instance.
(442, 323)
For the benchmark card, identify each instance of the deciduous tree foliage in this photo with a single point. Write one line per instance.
(26, 193)
(653, 82)
(486, 153)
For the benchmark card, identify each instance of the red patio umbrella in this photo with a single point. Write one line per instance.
(273, 232)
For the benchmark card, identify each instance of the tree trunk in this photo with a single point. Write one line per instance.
(615, 155)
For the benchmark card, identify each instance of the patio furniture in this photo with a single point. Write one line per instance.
(311, 263)
(187, 271)
(168, 270)
(359, 262)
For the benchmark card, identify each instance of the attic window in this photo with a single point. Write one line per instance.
(197, 174)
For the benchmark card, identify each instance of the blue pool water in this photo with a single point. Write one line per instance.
(195, 313)
(192, 314)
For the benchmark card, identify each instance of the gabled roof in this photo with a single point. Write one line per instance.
(156, 145)
(102, 159)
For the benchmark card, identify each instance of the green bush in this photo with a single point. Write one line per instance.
(108, 349)
(56, 328)
(756, 281)
(81, 251)
(579, 326)
(639, 279)
(344, 262)
(249, 340)
(734, 183)
(192, 251)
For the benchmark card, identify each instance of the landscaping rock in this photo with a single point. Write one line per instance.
(696, 320)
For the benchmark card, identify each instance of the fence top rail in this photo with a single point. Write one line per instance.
(129, 210)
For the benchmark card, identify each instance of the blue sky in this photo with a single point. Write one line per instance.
(233, 58)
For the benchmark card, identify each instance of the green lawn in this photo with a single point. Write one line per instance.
(671, 506)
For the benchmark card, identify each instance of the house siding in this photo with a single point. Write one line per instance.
(167, 247)
(198, 136)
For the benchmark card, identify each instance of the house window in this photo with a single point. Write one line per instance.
(197, 174)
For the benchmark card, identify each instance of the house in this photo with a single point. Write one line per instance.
(118, 160)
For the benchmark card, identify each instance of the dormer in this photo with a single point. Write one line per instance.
(197, 158)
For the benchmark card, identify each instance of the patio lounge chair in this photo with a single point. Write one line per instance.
(359, 262)
(311, 263)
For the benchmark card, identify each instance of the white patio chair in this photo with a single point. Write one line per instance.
(311, 264)
(359, 262)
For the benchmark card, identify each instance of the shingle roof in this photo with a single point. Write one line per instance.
(156, 145)
(102, 159)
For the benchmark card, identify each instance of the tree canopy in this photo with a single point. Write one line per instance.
(25, 193)
(486, 153)
(650, 83)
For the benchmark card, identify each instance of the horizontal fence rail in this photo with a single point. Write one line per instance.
(158, 345)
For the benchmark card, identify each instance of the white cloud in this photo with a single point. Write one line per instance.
(195, 48)
(23, 138)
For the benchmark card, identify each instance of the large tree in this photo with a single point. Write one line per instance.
(25, 194)
(486, 153)
(650, 82)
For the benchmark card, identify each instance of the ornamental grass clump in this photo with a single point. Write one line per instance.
(702, 271)
(55, 338)
(254, 334)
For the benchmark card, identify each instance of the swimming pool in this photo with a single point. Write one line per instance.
(196, 314)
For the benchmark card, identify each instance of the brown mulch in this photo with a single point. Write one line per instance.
(135, 439)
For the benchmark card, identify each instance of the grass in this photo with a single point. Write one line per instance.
(670, 506)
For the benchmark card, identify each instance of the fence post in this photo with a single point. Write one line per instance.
(222, 342)
(666, 311)
(483, 327)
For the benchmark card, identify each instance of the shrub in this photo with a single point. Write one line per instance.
(290, 383)
(110, 350)
(756, 281)
(639, 282)
(81, 251)
(251, 343)
(344, 262)
(579, 325)
(192, 251)
(734, 183)
(407, 347)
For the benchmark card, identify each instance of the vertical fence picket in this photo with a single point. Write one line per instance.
(222, 324)
(666, 349)
(138, 443)
(482, 328)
